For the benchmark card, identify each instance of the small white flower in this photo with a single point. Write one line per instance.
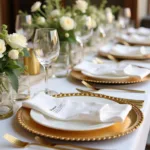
(36, 6)
(109, 17)
(44, 6)
(67, 35)
(2, 48)
(13, 54)
(81, 5)
(68, 14)
(55, 13)
(108, 10)
(40, 20)
(67, 23)
(16, 40)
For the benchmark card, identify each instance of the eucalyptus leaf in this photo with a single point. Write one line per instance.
(26, 52)
(13, 79)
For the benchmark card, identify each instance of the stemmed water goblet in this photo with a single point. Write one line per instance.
(124, 17)
(23, 25)
(46, 49)
(84, 30)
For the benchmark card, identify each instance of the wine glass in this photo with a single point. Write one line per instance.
(124, 17)
(46, 49)
(84, 30)
(23, 25)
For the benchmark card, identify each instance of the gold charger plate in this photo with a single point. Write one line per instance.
(132, 122)
(144, 57)
(130, 80)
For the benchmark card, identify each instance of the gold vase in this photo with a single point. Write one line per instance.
(32, 64)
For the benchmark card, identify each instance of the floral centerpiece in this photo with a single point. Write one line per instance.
(12, 47)
(65, 19)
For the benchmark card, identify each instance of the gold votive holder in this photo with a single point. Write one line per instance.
(32, 64)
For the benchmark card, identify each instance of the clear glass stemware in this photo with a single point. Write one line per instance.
(84, 30)
(124, 17)
(46, 49)
(23, 25)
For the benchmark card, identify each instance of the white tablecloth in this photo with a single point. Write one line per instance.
(133, 141)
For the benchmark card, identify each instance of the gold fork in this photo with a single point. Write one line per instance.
(111, 57)
(13, 140)
(42, 141)
(88, 85)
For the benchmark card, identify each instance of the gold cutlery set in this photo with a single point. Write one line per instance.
(41, 142)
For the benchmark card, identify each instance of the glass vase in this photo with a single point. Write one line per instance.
(6, 103)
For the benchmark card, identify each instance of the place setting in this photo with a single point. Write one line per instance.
(107, 100)
(110, 74)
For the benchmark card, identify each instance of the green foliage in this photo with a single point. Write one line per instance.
(13, 78)
(9, 66)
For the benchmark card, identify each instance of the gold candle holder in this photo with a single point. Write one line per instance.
(32, 64)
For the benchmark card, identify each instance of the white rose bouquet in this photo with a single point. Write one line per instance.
(12, 47)
(65, 19)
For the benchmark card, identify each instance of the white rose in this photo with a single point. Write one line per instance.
(16, 40)
(81, 5)
(2, 47)
(55, 13)
(67, 23)
(13, 54)
(40, 20)
(36, 6)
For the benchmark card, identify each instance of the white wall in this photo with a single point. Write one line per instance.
(142, 8)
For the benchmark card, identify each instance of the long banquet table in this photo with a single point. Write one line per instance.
(133, 141)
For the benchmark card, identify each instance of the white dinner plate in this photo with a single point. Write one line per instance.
(104, 76)
(72, 125)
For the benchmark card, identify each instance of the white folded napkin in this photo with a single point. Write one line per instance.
(128, 50)
(140, 31)
(112, 70)
(67, 109)
(135, 38)
(143, 63)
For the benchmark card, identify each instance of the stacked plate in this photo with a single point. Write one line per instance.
(37, 123)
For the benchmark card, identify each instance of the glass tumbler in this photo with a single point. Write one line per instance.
(61, 66)
(24, 88)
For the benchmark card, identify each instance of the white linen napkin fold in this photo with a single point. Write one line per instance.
(140, 31)
(128, 50)
(143, 63)
(67, 109)
(112, 70)
(135, 38)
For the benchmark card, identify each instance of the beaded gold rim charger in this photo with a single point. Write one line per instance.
(131, 123)
(130, 80)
